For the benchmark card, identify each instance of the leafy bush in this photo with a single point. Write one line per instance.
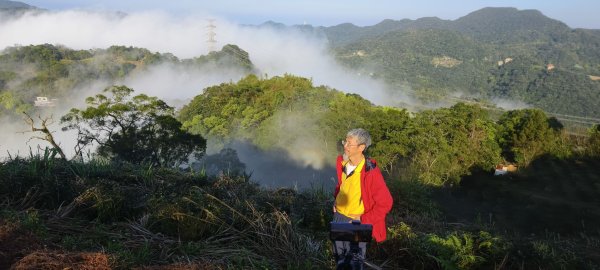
(460, 250)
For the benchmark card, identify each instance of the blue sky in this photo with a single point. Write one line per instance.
(575, 13)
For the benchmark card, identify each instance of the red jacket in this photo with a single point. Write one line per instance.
(375, 195)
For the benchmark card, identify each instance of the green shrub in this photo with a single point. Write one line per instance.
(460, 250)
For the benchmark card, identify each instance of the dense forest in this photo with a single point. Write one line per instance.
(152, 186)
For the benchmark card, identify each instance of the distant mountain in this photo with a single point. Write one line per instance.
(485, 24)
(510, 25)
(4, 4)
(14, 9)
(490, 53)
(305, 29)
(272, 24)
(346, 33)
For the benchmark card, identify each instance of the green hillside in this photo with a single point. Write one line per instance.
(14, 9)
(509, 25)
(493, 52)
(57, 71)
(5, 4)
(348, 33)
(428, 60)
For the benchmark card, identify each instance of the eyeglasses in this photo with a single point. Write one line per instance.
(346, 143)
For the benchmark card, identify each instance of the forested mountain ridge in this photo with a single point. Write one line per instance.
(4, 4)
(490, 53)
(56, 71)
(12, 9)
(347, 33)
(508, 25)
(487, 24)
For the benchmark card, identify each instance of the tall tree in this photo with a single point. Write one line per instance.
(527, 134)
(447, 143)
(389, 130)
(138, 129)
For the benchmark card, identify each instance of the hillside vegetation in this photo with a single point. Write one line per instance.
(137, 212)
(12, 9)
(503, 52)
(57, 72)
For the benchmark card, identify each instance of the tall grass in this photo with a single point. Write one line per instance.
(143, 215)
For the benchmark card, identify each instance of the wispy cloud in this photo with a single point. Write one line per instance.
(274, 52)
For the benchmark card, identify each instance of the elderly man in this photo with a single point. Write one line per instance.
(361, 193)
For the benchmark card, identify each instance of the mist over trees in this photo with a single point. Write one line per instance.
(58, 72)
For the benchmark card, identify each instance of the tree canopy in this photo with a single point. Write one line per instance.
(437, 147)
(527, 134)
(138, 129)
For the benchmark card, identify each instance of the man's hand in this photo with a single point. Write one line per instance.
(354, 217)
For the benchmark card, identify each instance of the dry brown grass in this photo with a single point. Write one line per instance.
(15, 242)
(59, 261)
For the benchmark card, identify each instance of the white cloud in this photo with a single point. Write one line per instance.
(273, 52)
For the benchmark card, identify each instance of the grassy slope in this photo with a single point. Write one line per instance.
(140, 215)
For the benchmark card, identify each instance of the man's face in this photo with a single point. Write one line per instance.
(352, 147)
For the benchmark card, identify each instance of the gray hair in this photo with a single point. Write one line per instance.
(361, 135)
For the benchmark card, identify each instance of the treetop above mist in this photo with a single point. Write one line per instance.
(56, 71)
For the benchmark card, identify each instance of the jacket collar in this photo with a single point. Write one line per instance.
(369, 163)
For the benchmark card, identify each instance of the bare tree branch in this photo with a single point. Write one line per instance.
(44, 129)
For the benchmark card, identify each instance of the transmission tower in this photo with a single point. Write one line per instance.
(211, 41)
